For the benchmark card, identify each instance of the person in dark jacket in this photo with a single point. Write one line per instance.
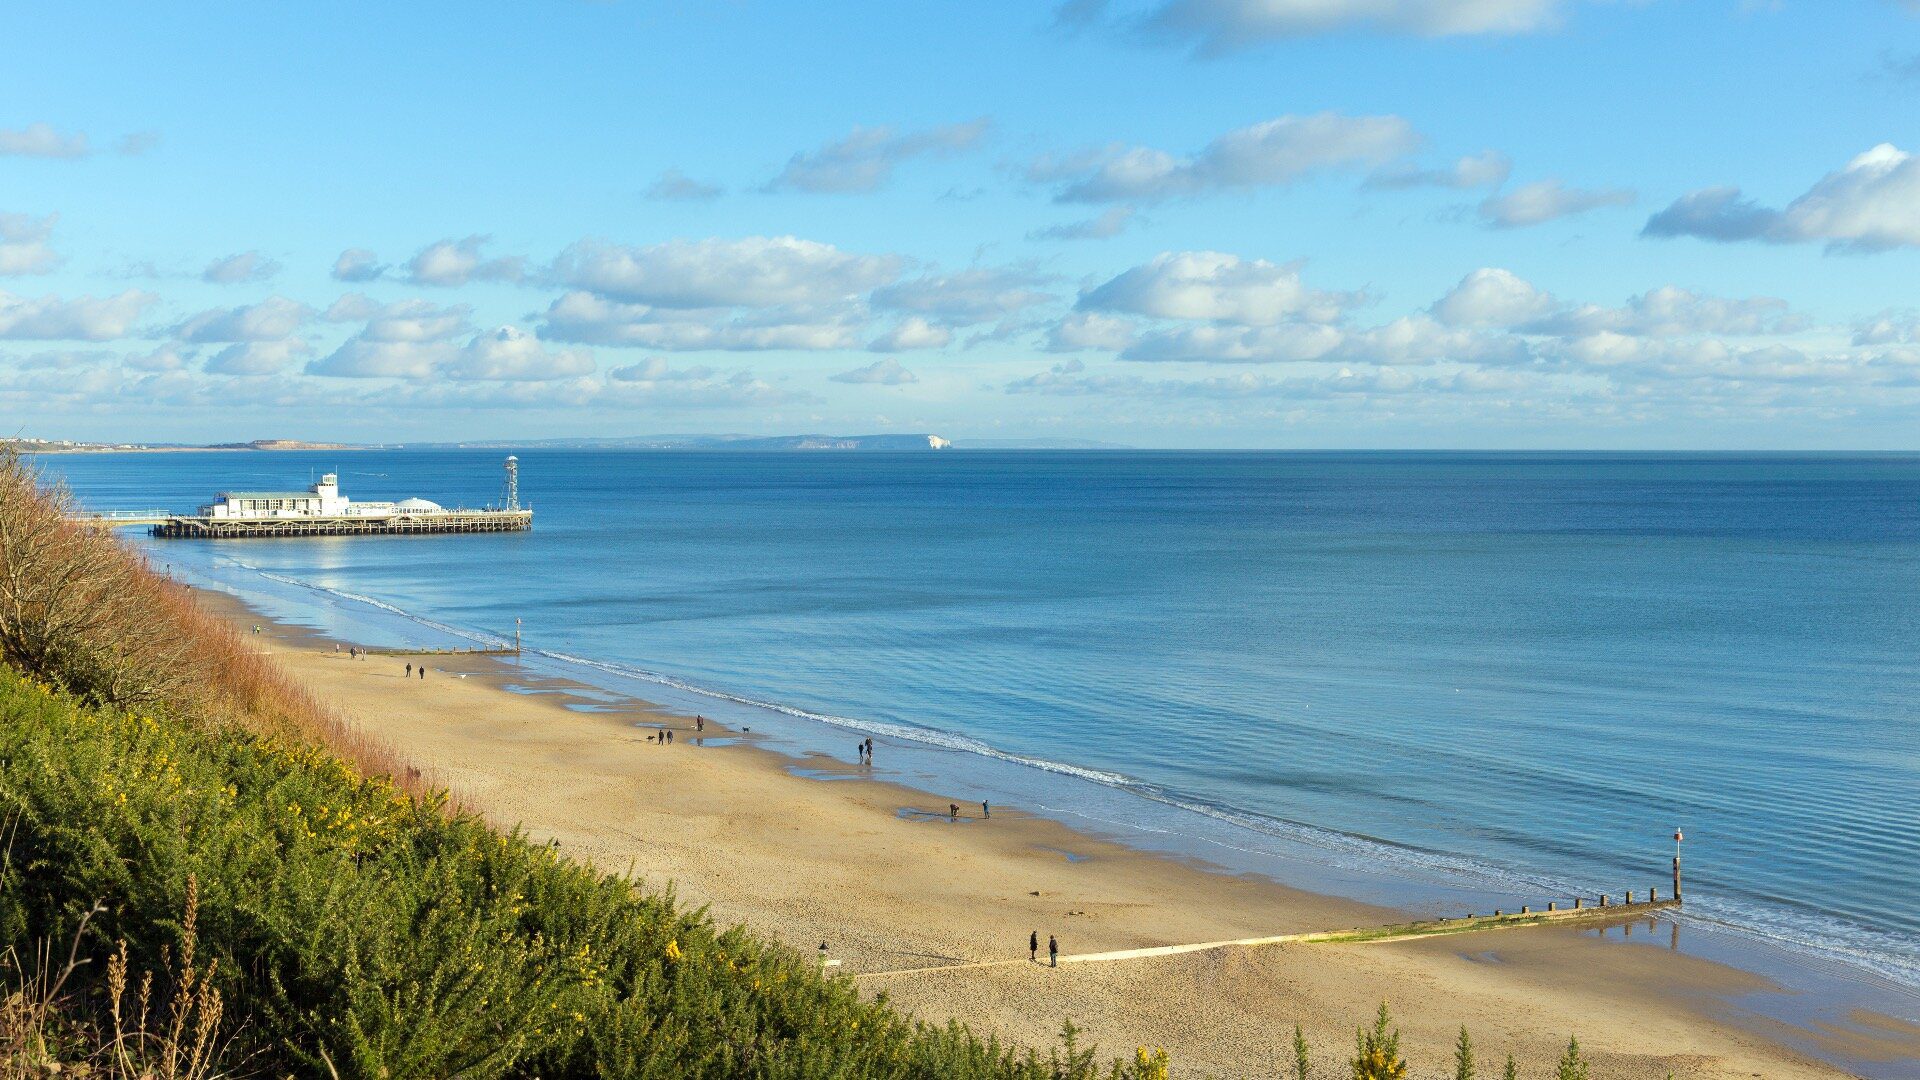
(1053, 952)
(1033, 947)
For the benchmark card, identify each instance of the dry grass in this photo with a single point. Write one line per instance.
(86, 614)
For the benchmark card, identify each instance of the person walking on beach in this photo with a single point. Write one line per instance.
(1053, 952)
(699, 723)
(423, 673)
(669, 736)
(985, 810)
(869, 746)
(409, 671)
(1033, 947)
(953, 811)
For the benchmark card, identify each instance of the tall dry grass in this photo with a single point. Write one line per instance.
(85, 613)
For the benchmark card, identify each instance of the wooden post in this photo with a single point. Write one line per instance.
(1629, 897)
(1653, 895)
(1603, 899)
(1577, 901)
(1524, 909)
(1676, 877)
(1550, 905)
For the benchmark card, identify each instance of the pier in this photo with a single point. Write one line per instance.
(194, 527)
(322, 510)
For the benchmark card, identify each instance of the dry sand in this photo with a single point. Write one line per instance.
(807, 860)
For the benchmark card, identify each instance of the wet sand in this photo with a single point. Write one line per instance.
(879, 873)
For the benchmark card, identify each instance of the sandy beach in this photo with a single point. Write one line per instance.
(879, 873)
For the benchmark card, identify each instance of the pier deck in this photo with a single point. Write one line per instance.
(184, 527)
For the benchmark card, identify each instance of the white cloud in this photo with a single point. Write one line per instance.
(1546, 200)
(1083, 330)
(507, 354)
(965, 298)
(912, 332)
(1060, 378)
(402, 320)
(84, 318)
(24, 247)
(1492, 297)
(1498, 298)
(513, 355)
(887, 372)
(1220, 26)
(41, 140)
(257, 357)
(1236, 344)
(457, 262)
(133, 144)
(1489, 168)
(865, 159)
(756, 271)
(1871, 204)
(1109, 223)
(676, 186)
(357, 265)
(269, 320)
(655, 369)
(584, 318)
(1888, 328)
(245, 268)
(1220, 287)
(1268, 154)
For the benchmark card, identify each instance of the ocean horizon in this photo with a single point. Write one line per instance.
(1427, 678)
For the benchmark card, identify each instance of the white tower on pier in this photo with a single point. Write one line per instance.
(513, 482)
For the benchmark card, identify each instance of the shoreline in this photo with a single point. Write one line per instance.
(877, 870)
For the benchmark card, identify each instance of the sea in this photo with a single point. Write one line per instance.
(1435, 680)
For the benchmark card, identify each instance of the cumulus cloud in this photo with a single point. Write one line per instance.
(42, 141)
(756, 271)
(584, 318)
(257, 357)
(1083, 330)
(24, 244)
(1268, 154)
(84, 318)
(1888, 328)
(245, 268)
(357, 265)
(912, 332)
(676, 186)
(402, 320)
(966, 297)
(887, 372)
(457, 262)
(507, 354)
(1546, 200)
(1492, 297)
(655, 369)
(1489, 168)
(269, 320)
(1216, 286)
(513, 355)
(1211, 344)
(865, 159)
(1057, 379)
(1108, 223)
(1212, 27)
(1870, 204)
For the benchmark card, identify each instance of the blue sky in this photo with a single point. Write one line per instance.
(1315, 223)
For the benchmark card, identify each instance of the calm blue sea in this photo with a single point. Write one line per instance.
(1472, 675)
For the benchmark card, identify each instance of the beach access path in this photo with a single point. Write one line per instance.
(731, 827)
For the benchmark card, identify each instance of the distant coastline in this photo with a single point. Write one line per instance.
(916, 443)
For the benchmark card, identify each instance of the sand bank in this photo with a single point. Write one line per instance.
(878, 872)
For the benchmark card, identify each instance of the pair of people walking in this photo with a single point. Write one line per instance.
(865, 750)
(1033, 949)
